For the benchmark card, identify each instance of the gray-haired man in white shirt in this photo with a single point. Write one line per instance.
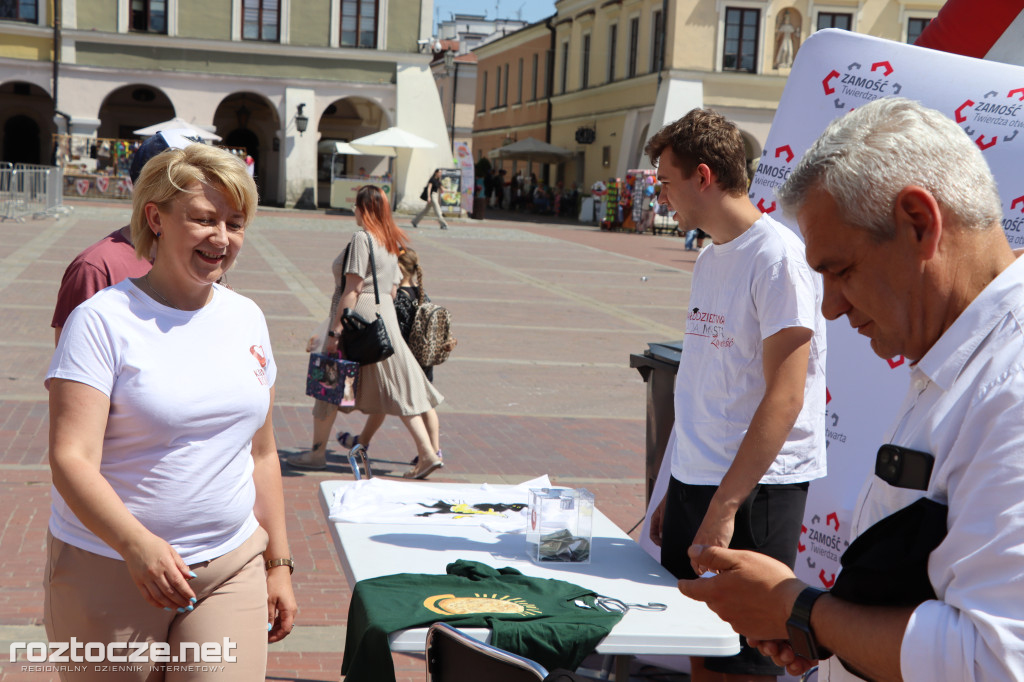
(901, 215)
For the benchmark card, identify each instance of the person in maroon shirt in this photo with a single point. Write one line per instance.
(112, 258)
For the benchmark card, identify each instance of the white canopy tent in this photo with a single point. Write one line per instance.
(531, 149)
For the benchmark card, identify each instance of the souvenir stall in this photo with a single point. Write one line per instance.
(95, 166)
(645, 198)
(592, 208)
(612, 218)
(630, 202)
(98, 167)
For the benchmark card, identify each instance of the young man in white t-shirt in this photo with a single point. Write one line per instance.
(750, 391)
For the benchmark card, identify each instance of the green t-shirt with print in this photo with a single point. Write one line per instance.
(533, 617)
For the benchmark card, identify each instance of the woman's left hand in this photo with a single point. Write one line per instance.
(281, 604)
(331, 346)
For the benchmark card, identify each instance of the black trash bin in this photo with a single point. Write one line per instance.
(658, 366)
(479, 205)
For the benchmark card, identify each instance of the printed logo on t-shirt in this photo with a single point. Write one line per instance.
(449, 604)
(709, 326)
(257, 352)
(261, 357)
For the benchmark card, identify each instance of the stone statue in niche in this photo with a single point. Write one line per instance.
(787, 37)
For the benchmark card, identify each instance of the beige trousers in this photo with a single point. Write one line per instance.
(93, 599)
(434, 203)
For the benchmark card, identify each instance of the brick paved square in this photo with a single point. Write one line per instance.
(546, 315)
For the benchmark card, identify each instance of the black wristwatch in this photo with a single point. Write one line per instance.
(798, 627)
(332, 334)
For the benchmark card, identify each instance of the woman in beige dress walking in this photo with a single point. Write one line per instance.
(396, 385)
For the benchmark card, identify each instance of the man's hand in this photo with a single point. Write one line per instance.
(782, 654)
(657, 521)
(752, 592)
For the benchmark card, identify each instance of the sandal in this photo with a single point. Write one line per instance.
(419, 474)
(298, 462)
(416, 459)
(347, 440)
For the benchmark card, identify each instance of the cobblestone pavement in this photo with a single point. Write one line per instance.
(546, 315)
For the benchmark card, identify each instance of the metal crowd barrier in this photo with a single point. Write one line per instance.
(31, 190)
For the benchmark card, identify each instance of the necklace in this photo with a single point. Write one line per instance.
(159, 295)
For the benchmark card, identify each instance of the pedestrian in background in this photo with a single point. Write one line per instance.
(432, 195)
(408, 298)
(395, 385)
(500, 189)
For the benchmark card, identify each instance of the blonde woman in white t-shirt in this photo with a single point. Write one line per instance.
(167, 526)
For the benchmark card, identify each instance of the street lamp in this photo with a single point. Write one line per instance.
(301, 120)
(449, 65)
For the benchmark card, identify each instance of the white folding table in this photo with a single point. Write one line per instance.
(619, 568)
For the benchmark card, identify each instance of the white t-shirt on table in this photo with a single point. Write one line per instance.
(188, 390)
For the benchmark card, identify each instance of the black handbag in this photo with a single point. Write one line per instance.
(364, 341)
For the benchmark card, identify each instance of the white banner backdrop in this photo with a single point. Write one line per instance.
(835, 72)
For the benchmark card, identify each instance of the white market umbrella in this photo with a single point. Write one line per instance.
(388, 142)
(178, 124)
(531, 149)
(333, 147)
(393, 137)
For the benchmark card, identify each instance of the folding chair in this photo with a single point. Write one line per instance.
(357, 457)
(453, 656)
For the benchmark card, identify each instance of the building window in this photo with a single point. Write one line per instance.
(634, 46)
(149, 16)
(585, 73)
(657, 39)
(613, 39)
(741, 27)
(20, 10)
(916, 26)
(549, 73)
(483, 94)
(519, 87)
(835, 20)
(260, 20)
(565, 66)
(497, 88)
(359, 23)
(504, 89)
(533, 95)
